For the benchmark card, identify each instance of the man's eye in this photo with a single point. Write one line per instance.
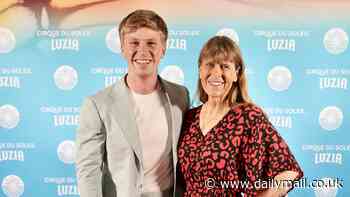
(151, 43)
(210, 65)
(134, 43)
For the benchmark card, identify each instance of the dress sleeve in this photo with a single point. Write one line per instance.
(265, 153)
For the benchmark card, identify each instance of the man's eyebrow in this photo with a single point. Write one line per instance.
(151, 39)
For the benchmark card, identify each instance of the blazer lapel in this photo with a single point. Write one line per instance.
(123, 111)
(171, 116)
(168, 112)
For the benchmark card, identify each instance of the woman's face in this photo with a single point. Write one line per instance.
(217, 77)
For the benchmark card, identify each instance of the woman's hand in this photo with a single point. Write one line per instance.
(282, 189)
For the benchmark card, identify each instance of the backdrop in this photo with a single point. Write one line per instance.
(55, 53)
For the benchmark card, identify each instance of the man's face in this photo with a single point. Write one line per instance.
(143, 50)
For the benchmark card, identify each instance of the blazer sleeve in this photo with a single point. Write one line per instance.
(90, 149)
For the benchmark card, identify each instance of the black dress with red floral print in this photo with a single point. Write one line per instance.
(237, 154)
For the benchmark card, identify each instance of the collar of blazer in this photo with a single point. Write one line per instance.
(121, 109)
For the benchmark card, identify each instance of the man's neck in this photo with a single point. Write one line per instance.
(140, 85)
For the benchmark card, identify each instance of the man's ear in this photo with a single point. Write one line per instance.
(164, 48)
(122, 50)
(121, 47)
(121, 42)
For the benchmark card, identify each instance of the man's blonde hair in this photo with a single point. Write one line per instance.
(140, 19)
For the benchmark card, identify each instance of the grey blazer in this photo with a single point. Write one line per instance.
(108, 151)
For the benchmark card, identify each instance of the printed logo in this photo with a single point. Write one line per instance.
(66, 152)
(279, 78)
(336, 41)
(9, 116)
(66, 77)
(22, 21)
(325, 189)
(231, 33)
(112, 40)
(12, 186)
(174, 74)
(331, 118)
(7, 40)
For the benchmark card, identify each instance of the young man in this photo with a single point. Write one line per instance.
(127, 138)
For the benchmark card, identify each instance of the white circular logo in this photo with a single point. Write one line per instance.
(66, 152)
(9, 116)
(174, 74)
(66, 77)
(231, 33)
(22, 21)
(331, 118)
(12, 186)
(7, 40)
(279, 78)
(326, 188)
(336, 41)
(113, 41)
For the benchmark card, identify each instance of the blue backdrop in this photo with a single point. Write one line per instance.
(298, 73)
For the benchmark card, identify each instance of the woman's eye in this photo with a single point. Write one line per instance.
(226, 66)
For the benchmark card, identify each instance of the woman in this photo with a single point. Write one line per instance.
(228, 138)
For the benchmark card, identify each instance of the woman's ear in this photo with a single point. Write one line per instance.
(236, 74)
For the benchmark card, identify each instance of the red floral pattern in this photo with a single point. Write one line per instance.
(242, 146)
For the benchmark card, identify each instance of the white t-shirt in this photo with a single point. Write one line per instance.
(155, 141)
